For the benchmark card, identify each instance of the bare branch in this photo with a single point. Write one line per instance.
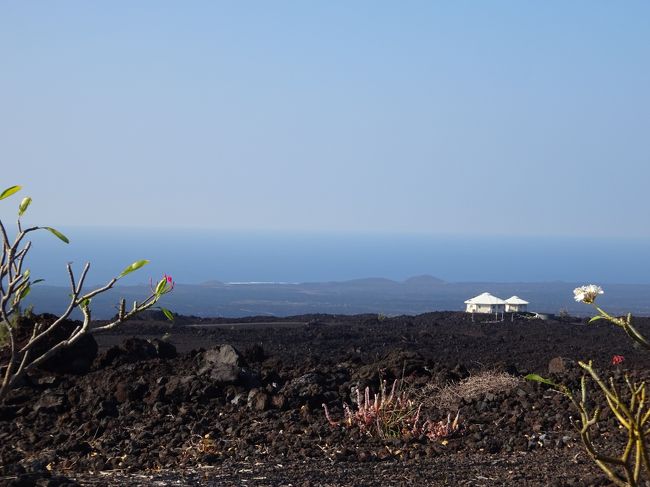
(74, 337)
(12, 358)
(20, 256)
(147, 303)
(13, 287)
(71, 305)
(5, 237)
(100, 290)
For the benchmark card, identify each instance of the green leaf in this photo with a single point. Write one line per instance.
(595, 318)
(161, 287)
(24, 204)
(9, 191)
(84, 303)
(539, 378)
(24, 292)
(58, 234)
(133, 267)
(168, 314)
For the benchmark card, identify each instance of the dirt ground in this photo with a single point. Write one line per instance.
(239, 402)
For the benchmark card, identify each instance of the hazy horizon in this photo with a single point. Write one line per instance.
(196, 256)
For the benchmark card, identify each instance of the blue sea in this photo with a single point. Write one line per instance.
(194, 256)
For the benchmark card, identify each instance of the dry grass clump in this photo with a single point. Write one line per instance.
(199, 445)
(475, 386)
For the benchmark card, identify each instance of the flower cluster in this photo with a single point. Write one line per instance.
(618, 359)
(587, 294)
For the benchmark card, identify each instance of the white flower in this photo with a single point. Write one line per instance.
(587, 294)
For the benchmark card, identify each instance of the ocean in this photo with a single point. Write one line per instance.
(194, 256)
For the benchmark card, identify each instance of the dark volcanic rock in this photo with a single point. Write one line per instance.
(258, 400)
(222, 364)
(131, 391)
(395, 365)
(255, 353)
(106, 409)
(74, 359)
(164, 350)
(136, 349)
(558, 365)
(147, 417)
(306, 389)
(51, 402)
(130, 351)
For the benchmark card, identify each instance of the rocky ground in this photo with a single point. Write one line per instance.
(239, 402)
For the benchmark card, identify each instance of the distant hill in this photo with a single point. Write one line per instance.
(424, 281)
(373, 295)
(366, 285)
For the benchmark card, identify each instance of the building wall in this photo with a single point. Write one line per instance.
(516, 308)
(485, 308)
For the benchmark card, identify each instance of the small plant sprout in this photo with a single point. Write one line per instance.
(629, 408)
(392, 415)
(164, 286)
(16, 283)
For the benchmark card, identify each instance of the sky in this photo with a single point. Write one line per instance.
(483, 118)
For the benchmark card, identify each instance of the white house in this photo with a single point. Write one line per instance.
(516, 305)
(485, 303)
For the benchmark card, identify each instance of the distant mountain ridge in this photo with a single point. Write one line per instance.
(414, 295)
(423, 280)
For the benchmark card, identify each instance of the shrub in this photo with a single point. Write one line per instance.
(16, 283)
(629, 407)
(393, 415)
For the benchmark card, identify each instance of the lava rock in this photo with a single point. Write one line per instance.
(307, 389)
(164, 350)
(258, 400)
(51, 403)
(107, 409)
(179, 386)
(74, 359)
(137, 349)
(255, 353)
(223, 364)
(132, 350)
(558, 365)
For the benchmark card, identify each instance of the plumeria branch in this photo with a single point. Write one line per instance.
(83, 303)
(588, 294)
(632, 413)
(15, 285)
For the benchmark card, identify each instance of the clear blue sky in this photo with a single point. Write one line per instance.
(521, 118)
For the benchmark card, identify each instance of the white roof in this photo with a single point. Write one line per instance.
(485, 298)
(516, 300)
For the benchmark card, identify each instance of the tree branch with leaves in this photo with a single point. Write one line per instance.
(16, 284)
(630, 408)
